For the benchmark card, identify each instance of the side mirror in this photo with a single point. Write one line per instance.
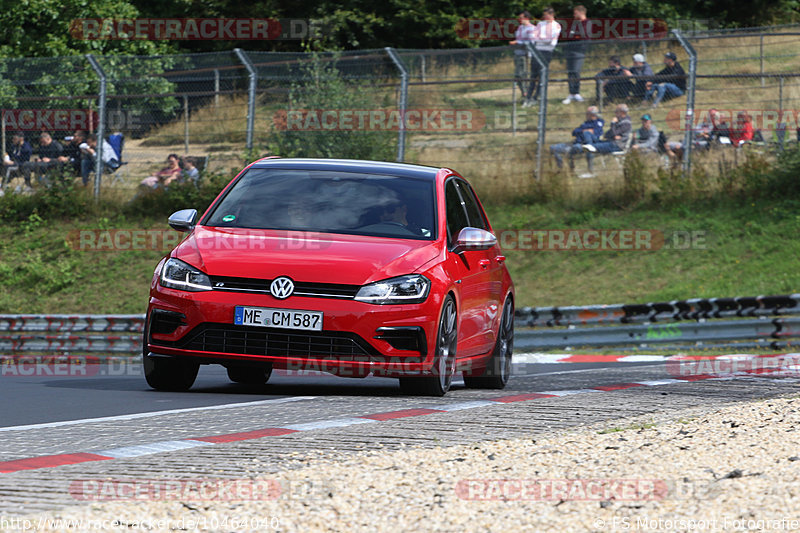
(473, 239)
(183, 220)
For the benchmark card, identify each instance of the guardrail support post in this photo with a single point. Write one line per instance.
(251, 94)
(402, 104)
(690, 88)
(101, 126)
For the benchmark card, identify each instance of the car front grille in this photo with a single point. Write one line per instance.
(249, 340)
(301, 288)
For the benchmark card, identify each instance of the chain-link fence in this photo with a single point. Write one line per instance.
(463, 108)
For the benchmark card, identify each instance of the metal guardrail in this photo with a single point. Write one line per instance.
(71, 333)
(700, 322)
(643, 325)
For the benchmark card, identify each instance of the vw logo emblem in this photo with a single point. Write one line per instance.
(281, 288)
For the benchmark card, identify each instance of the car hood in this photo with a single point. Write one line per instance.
(303, 256)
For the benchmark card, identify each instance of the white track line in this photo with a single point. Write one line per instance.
(154, 413)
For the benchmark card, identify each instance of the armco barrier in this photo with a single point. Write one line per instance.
(748, 324)
(71, 333)
(692, 309)
(711, 322)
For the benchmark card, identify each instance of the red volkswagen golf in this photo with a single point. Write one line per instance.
(348, 267)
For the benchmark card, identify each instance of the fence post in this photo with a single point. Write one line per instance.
(542, 124)
(101, 126)
(761, 57)
(185, 124)
(251, 94)
(690, 86)
(3, 130)
(422, 67)
(781, 125)
(216, 87)
(514, 108)
(402, 104)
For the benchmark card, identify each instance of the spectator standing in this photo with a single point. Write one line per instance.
(646, 136)
(20, 154)
(522, 36)
(614, 140)
(614, 80)
(589, 132)
(89, 153)
(545, 39)
(48, 158)
(575, 51)
(670, 81)
(641, 72)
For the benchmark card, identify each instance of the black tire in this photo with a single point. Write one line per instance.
(169, 374)
(166, 373)
(249, 375)
(445, 361)
(498, 369)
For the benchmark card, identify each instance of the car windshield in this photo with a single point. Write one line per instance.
(329, 201)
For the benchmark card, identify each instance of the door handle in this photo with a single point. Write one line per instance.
(500, 259)
(484, 263)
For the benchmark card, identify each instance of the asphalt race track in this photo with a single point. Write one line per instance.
(54, 430)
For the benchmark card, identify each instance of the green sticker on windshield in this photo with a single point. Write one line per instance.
(228, 218)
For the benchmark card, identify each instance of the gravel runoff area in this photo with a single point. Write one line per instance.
(728, 469)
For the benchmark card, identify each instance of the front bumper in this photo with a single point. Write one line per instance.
(357, 338)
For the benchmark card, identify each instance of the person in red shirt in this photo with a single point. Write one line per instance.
(742, 129)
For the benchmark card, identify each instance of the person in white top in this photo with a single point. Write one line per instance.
(523, 35)
(545, 39)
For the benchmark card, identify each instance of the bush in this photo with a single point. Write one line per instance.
(324, 88)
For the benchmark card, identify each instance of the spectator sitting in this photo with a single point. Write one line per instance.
(616, 138)
(642, 73)
(646, 136)
(166, 175)
(20, 154)
(614, 80)
(72, 152)
(672, 81)
(719, 128)
(48, 158)
(742, 130)
(587, 133)
(88, 156)
(190, 171)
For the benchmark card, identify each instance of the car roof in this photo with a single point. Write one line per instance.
(351, 165)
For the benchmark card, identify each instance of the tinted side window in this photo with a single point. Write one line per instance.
(474, 213)
(456, 217)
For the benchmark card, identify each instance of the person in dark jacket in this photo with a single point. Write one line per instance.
(670, 82)
(575, 52)
(614, 81)
(19, 154)
(49, 152)
(615, 138)
(587, 133)
(641, 72)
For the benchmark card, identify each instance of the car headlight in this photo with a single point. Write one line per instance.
(178, 275)
(411, 289)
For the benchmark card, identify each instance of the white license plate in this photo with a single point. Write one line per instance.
(268, 317)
